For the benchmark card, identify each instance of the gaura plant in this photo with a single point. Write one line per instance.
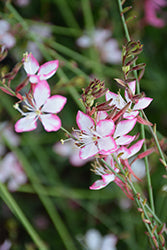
(106, 132)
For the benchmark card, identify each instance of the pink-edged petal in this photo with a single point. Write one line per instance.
(41, 93)
(111, 95)
(34, 79)
(84, 121)
(54, 104)
(117, 100)
(105, 127)
(130, 115)
(123, 152)
(107, 145)
(50, 122)
(101, 115)
(27, 123)
(132, 86)
(88, 151)
(124, 127)
(99, 184)
(125, 139)
(48, 69)
(136, 147)
(142, 103)
(30, 64)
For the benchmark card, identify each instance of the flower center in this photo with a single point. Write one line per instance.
(86, 138)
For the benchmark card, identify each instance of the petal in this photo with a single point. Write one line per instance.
(50, 122)
(41, 93)
(123, 152)
(54, 104)
(84, 121)
(101, 115)
(48, 69)
(125, 139)
(92, 239)
(99, 184)
(142, 103)
(124, 127)
(111, 95)
(34, 79)
(136, 147)
(26, 124)
(132, 86)
(130, 114)
(105, 127)
(107, 145)
(117, 100)
(84, 41)
(88, 151)
(109, 242)
(31, 65)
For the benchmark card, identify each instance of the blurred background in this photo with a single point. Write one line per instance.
(47, 182)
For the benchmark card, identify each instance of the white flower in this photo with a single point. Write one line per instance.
(95, 241)
(120, 103)
(43, 107)
(5, 37)
(94, 139)
(38, 73)
(11, 171)
(107, 47)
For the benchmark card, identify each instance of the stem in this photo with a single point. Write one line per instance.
(140, 203)
(142, 126)
(90, 28)
(123, 21)
(7, 197)
(46, 201)
(67, 13)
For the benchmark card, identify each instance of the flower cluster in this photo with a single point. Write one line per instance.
(105, 133)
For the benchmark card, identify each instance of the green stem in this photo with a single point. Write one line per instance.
(156, 139)
(46, 201)
(142, 126)
(123, 21)
(140, 204)
(89, 23)
(66, 192)
(67, 13)
(19, 213)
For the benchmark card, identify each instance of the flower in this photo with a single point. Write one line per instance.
(45, 71)
(151, 8)
(6, 245)
(5, 37)
(120, 103)
(22, 3)
(11, 171)
(108, 48)
(121, 129)
(7, 133)
(43, 107)
(95, 241)
(107, 176)
(94, 139)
